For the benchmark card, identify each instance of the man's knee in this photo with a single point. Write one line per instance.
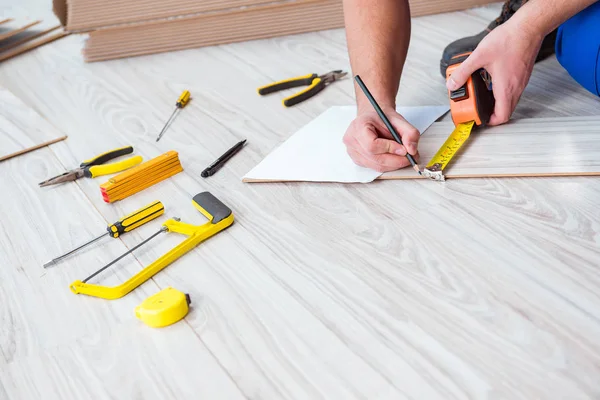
(578, 47)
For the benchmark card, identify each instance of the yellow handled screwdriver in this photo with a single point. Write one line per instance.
(125, 224)
(182, 101)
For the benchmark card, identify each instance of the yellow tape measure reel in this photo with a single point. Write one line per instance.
(163, 308)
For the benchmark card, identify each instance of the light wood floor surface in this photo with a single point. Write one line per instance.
(470, 289)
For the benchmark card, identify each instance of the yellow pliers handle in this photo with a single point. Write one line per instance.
(94, 167)
(100, 170)
(314, 83)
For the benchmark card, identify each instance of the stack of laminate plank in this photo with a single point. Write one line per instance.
(124, 28)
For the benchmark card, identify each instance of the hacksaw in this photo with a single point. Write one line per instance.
(219, 217)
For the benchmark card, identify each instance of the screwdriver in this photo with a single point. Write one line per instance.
(182, 101)
(125, 224)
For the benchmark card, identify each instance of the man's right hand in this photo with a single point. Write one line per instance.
(371, 145)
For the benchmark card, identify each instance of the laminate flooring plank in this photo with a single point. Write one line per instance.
(37, 224)
(176, 194)
(266, 369)
(22, 129)
(407, 257)
(565, 146)
(54, 344)
(132, 362)
(405, 289)
(183, 206)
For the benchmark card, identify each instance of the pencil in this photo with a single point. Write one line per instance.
(386, 121)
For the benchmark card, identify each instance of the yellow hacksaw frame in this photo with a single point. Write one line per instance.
(219, 217)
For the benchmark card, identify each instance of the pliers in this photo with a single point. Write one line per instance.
(316, 84)
(92, 168)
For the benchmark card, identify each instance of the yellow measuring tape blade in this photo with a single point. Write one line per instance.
(450, 147)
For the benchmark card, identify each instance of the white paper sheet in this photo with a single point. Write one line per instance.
(316, 152)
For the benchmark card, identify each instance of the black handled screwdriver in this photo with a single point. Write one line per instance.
(125, 224)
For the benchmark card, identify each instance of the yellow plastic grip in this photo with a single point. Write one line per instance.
(99, 170)
(137, 218)
(285, 84)
(183, 99)
(301, 93)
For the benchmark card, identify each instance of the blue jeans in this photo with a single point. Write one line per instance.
(578, 47)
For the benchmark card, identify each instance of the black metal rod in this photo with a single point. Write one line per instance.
(164, 229)
(54, 260)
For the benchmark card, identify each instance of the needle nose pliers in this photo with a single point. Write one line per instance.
(93, 167)
(315, 83)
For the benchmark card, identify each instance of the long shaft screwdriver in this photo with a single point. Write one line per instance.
(182, 101)
(161, 230)
(125, 224)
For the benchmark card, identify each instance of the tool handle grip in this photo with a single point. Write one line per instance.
(316, 86)
(183, 99)
(136, 218)
(109, 155)
(287, 84)
(211, 207)
(100, 170)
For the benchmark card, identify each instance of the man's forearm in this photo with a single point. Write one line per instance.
(541, 17)
(378, 34)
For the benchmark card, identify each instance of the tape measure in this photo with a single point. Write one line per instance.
(163, 308)
(471, 104)
(435, 167)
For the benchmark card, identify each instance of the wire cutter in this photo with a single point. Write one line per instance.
(93, 167)
(316, 84)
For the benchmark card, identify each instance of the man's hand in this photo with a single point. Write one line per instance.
(508, 53)
(378, 32)
(371, 145)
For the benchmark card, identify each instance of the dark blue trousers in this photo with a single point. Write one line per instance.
(578, 47)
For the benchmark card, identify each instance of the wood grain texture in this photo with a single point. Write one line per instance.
(566, 146)
(475, 289)
(21, 128)
(88, 15)
(51, 344)
(262, 21)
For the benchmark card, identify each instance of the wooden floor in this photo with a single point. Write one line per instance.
(470, 289)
